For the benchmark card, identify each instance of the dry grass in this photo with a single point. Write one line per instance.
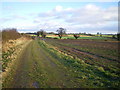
(18, 46)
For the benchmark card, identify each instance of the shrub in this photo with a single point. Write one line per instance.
(55, 38)
(8, 34)
(118, 36)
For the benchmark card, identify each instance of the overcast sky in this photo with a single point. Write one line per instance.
(74, 16)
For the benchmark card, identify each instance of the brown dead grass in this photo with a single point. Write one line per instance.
(13, 43)
(19, 44)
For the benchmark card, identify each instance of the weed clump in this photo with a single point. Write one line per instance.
(101, 69)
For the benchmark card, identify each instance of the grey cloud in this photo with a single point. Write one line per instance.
(93, 16)
(89, 18)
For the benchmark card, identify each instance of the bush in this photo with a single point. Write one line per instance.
(118, 36)
(10, 34)
(55, 38)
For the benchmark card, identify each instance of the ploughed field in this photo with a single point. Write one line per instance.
(100, 53)
(93, 52)
(65, 63)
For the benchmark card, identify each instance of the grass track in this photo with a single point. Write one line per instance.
(37, 69)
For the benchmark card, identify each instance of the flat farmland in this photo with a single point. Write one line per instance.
(60, 45)
(105, 37)
(65, 63)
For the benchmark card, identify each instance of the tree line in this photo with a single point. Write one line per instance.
(61, 31)
(11, 33)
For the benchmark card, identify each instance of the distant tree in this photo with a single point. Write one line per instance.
(38, 33)
(84, 33)
(61, 32)
(22, 34)
(51, 33)
(42, 33)
(98, 33)
(118, 36)
(113, 36)
(76, 36)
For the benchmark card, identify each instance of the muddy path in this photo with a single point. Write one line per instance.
(36, 68)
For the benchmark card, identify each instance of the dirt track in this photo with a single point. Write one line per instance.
(37, 69)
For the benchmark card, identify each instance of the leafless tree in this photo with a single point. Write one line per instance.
(42, 33)
(76, 36)
(61, 32)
